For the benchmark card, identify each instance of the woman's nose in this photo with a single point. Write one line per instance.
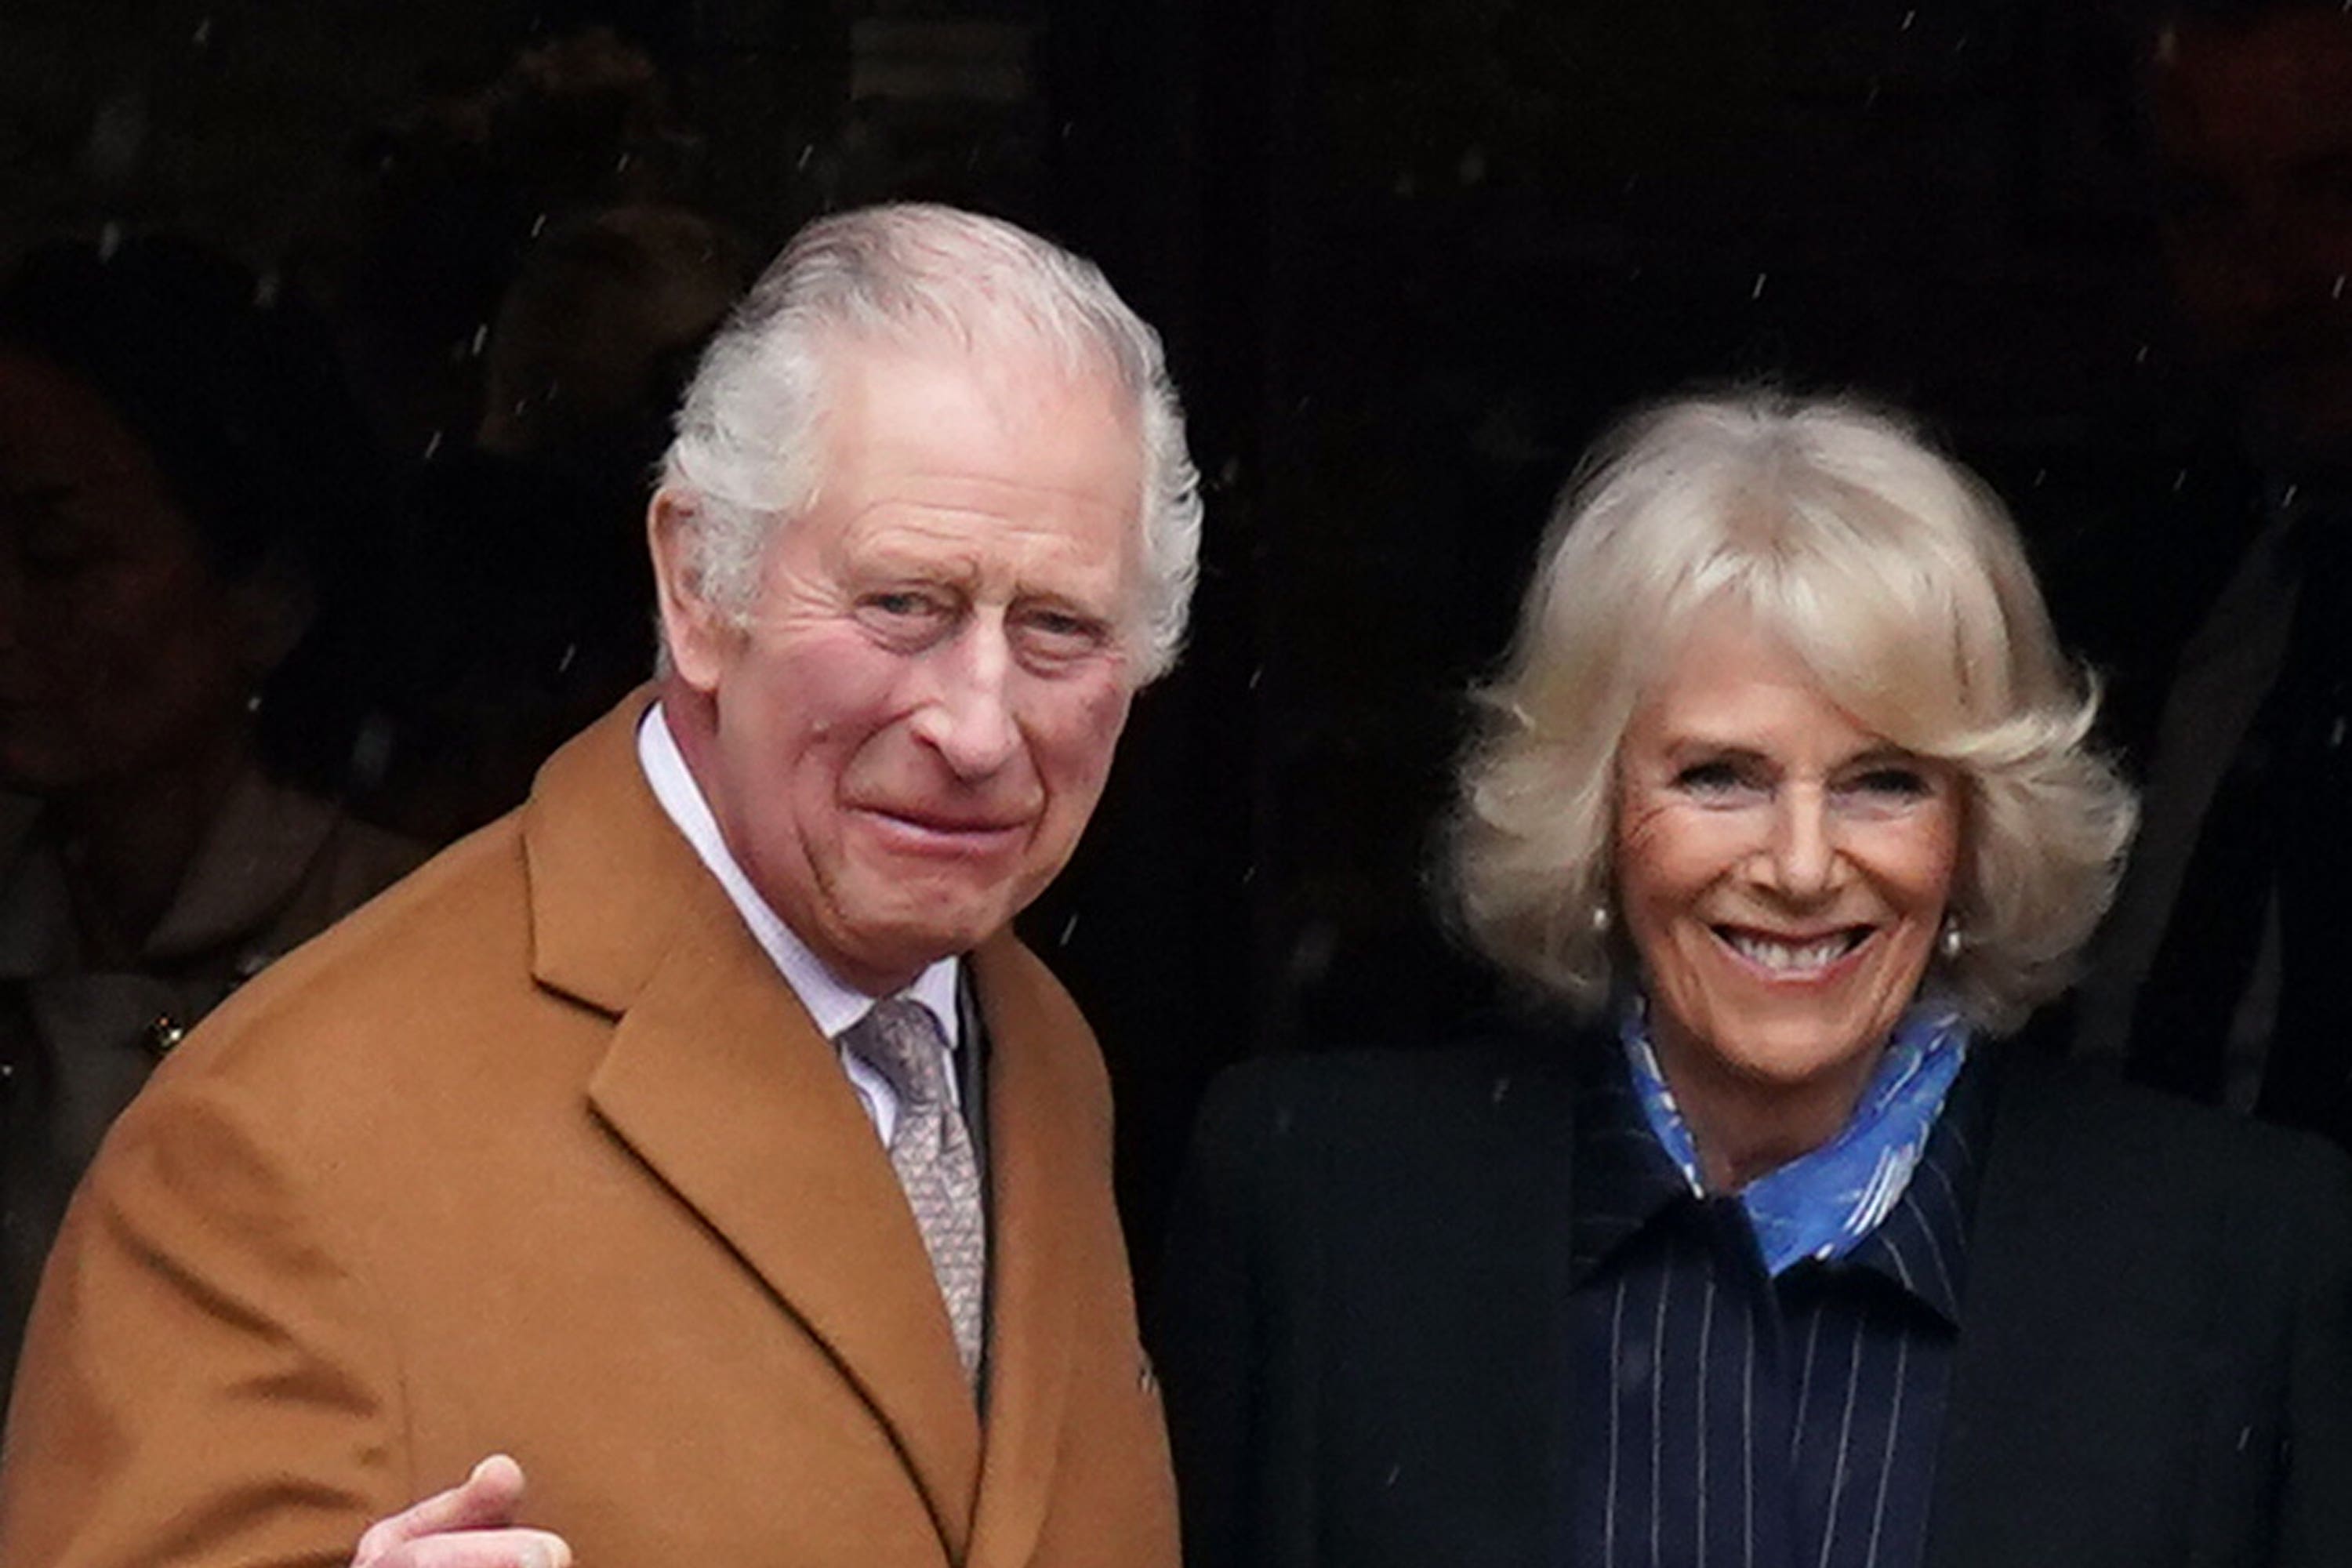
(1802, 856)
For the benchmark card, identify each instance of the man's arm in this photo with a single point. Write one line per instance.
(207, 1378)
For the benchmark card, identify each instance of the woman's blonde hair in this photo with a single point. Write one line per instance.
(1894, 574)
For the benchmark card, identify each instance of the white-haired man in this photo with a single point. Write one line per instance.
(698, 1136)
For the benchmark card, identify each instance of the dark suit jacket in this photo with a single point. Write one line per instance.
(1364, 1331)
(538, 1153)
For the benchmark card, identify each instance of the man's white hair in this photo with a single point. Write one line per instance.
(746, 452)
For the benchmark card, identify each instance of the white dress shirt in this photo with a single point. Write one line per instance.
(833, 1004)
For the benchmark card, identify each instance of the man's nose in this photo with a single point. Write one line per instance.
(967, 717)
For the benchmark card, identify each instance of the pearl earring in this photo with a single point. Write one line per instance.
(1601, 921)
(1950, 941)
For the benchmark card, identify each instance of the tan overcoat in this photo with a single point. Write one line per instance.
(538, 1153)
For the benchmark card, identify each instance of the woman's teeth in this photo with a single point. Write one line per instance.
(1792, 957)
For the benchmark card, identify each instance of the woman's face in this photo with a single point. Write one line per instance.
(1782, 871)
(121, 652)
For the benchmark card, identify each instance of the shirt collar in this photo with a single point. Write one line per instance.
(1624, 1183)
(832, 1004)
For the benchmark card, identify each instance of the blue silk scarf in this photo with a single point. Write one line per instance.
(1821, 1205)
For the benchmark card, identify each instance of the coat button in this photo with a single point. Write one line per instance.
(163, 1032)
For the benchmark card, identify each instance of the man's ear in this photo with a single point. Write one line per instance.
(696, 632)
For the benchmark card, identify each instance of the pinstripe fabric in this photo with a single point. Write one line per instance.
(1749, 1423)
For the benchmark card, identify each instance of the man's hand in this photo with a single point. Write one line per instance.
(468, 1526)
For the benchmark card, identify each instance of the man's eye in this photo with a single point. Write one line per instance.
(1061, 634)
(905, 617)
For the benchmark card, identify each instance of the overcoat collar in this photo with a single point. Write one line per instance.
(718, 1081)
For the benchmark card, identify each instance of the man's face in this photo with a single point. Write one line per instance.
(903, 744)
(2255, 126)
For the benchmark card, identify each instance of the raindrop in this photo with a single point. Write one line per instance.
(1069, 929)
(481, 336)
(265, 289)
(109, 240)
(1908, 17)
(539, 226)
(433, 446)
(204, 34)
(2139, 355)
(621, 164)
(571, 652)
(1758, 292)
(2179, 479)
(1256, 676)
(808, 151)
(2288, 500)
(2337, 292)
(1502, 1087)
(2041, 476)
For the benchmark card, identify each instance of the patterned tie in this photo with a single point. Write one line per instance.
(931, 1151)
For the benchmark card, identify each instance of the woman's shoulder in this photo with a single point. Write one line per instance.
(2067, 1139)
(2051, 1103)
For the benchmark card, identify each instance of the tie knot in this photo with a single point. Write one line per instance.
(905, 1043)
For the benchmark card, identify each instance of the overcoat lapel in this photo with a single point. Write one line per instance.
(1036, 1180)
(718, 1081)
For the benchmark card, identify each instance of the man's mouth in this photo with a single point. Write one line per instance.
(945, 830)
(1792, 957)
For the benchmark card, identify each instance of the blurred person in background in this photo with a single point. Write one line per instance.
(176, 455)
(2221, 972)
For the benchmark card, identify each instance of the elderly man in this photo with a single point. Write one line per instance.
(644, 1136)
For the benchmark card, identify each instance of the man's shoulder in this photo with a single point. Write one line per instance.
(430, 949)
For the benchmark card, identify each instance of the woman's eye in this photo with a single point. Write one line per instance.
(1895, 783)
(1713, 778)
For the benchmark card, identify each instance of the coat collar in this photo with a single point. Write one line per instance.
(718, 1081)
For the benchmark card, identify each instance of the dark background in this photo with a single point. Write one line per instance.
(1407, 258)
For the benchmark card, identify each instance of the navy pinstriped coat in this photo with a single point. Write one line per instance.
(1363, 1336)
